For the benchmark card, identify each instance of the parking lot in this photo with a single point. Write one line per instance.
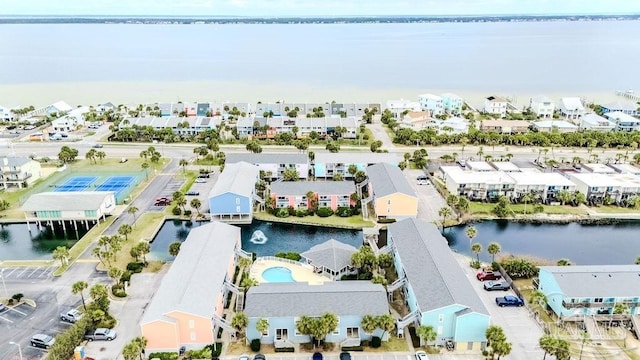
(429, 200)
(27, 273)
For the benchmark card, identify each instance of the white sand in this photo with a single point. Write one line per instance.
(90, 93)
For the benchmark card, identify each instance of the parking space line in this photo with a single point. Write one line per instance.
(46, 272)
(5, 319)
(23, 271)
(18, 311)
(34, 271)
(9, 274)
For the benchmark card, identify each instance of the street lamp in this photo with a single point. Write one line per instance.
(6, 293)
(19, 348)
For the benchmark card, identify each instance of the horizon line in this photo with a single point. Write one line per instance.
(318, 16)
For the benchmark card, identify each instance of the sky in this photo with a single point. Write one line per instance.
(316, 7)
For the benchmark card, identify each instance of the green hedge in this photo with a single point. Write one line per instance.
(67, 340)
(164, 355)
(289, 255)
(352, 348)
(135, 267)
(324, 212)
(386, 221)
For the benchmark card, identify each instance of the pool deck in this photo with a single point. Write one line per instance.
(299, 271)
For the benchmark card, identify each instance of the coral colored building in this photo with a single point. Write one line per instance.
(332, 194)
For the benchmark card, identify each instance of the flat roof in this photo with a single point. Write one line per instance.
(67, 201)
(616, 180)
(561, 124)
(433, 273)
(479, 166)
(504, 123)
(461, 176)
(341, 298)
(540, 178)
(626, 168)
(592, 281)
(598, 168)
(505, 166)
(197, 275)
(364, 158)
(237, 178)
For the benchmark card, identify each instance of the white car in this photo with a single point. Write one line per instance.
(421, 355)
(200, 180)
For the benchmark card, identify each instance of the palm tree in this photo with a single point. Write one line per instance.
(132, 210)
(78, 288)
(184, 164)
(61, 253)
(386, 322)
(174, 248)
(145, 166)
(538, 297)
(444, 212)
(493, 249)
(196, 204)
(547, 343)
(476, 248)
(262, 326)
(125, 230)
(471, 233)
(563, 262)
(369, 324)
(240, 322)
(101, 155)
(526, 198)
(144, 248)
(426, 334)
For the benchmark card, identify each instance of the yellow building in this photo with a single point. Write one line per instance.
(390, 192)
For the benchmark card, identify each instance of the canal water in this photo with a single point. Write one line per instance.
(263, 238)
(581, 244)
(16, 243)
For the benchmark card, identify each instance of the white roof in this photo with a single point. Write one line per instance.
(238, 178)
(541, 99)
(572, 103)
(626, 168)
(430, 97)
(621, 117)
(598, 168)
(505, 166)
(554, 123)
(596, 120)
(460, 176)
(62, 106)
(402, 104)
(621, 105)
(540, 178)
(67, 201)
(614, 180)
(451, 96)
(479, 166)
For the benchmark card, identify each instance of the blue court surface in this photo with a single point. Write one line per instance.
(76, 183)
(117, 184)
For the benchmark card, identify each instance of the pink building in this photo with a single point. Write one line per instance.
(332, 194)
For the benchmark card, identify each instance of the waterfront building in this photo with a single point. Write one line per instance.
(59, 207)
(477, 185)
(18, 172)
(542, 106)
(452, 103)
(390, 192)
(571, 108)
(435, 288)
(624, 122)
(431, 103)
(452, 125)
(595, 122)
(187, 308)
(599, 188)
(626, 107)
(103, 108)
(496, 106)
(283, 304)
(416, 120)
(231, 198)
(581, 292)
(73, 120)
(6, 114)
(399, 107)
(178, 125)
(326, 164)
(330, 194)
(331, 258)
(559, 126)
(505, 126)
(543, 185)
(273, 165)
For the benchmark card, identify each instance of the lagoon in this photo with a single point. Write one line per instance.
(16, 243)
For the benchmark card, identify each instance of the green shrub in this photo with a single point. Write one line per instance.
(164, 355)
(215, 350)
(324, 212)
(10, 302)
(199, 354)
(292, 211)
(282, 213)
(343, 211)
(17, 297)
(538, 208)
(108, 322)
(176, 211)
(386, 221)
(67, 340)
(255, 345)
(289, 255)
(135, 267)
(495, 266)
(126, 277)
(302, 212)
(352, 348)
(118, 290)
(187, 212)
(475, 264)
(376, 342)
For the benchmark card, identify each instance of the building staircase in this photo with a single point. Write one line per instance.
(223, 324)
(410, 318)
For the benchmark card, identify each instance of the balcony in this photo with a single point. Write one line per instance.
(591, 304)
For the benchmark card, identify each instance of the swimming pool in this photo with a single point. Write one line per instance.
(277, 275)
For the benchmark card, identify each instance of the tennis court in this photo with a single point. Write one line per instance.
(76, 183)
(117, 184)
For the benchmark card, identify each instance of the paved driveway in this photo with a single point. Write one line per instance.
(429, 200)
(521, 329)
(33, 273)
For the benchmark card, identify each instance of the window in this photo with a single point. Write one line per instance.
(192, 324)
(295, 321)
(470, 345)
(237, 208)
(352, 332)
(237, 201)
(440, 329)
(441, 318)
(193, 336)
(598, 300)
(266, 332)
(388, 202)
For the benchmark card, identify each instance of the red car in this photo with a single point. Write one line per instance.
(488, 275)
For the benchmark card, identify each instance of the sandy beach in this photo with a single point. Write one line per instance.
(90, 93)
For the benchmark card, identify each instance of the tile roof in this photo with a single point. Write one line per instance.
(388, 179)
(197, 275)
(434, 274)
(331, 254)
(341, 298)
(597, 280)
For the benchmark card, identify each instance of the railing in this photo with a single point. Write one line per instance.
(397, 284)
(592, 304)
(351, 342)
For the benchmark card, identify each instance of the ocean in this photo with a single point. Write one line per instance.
(91, 63)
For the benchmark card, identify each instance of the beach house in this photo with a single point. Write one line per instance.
(416, 120)
(18, 172)
(477, 184)
(624, 122)
(626, 107)
(231, 198)
(505, 126)
(390, 193)
(435, 288)
(585, 291)
(73, 120)
(542, 106)
(281, 305)
(6, 114)
(599, 187)
(186, 309)
(571, 108)
(431, 103)
(595, 122)
(496, 106)
(452, 103)
(555, 126)
(399, 107)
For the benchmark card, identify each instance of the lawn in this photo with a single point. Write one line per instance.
(615, 210)
(480, 208)
(353, 222)
(144, 229)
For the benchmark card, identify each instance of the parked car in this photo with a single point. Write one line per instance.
(509, 300)
(421, 355)
(42, 341)
(193, 193)
(3, 308)
(97, 146)
(345, 356)
(496, 285)
(162, 203)
(123, 160)
(204, 176)
(316, 356)
(488, 275)
(259, 357)
(29, 127)
(244, 357)
(71, 316)
(423, 180)
(200, 180)
(100, 334)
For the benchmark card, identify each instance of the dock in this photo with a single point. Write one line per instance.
(629, 95)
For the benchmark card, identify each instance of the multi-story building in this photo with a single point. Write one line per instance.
(416, 120)
(505, 126)
(326, 164)
(179, 125)
(625, 169)
(452, 103)
(626, 107)
(452, 125)
(232, 197)
(599, 188)
(73, 120)
(573, 292)
(431, 103)
(6, 114)
(559, 126)
(273, 165)
(543, 185)
(496, 105)
(477, 185)
(595, 122)
(18, 172)
(390, 192)
(399, 107)
(330, 194)
(571, 108)
(624, 122)
(542, 106)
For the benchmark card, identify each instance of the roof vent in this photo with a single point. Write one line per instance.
(594, 275)
(609, 275)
